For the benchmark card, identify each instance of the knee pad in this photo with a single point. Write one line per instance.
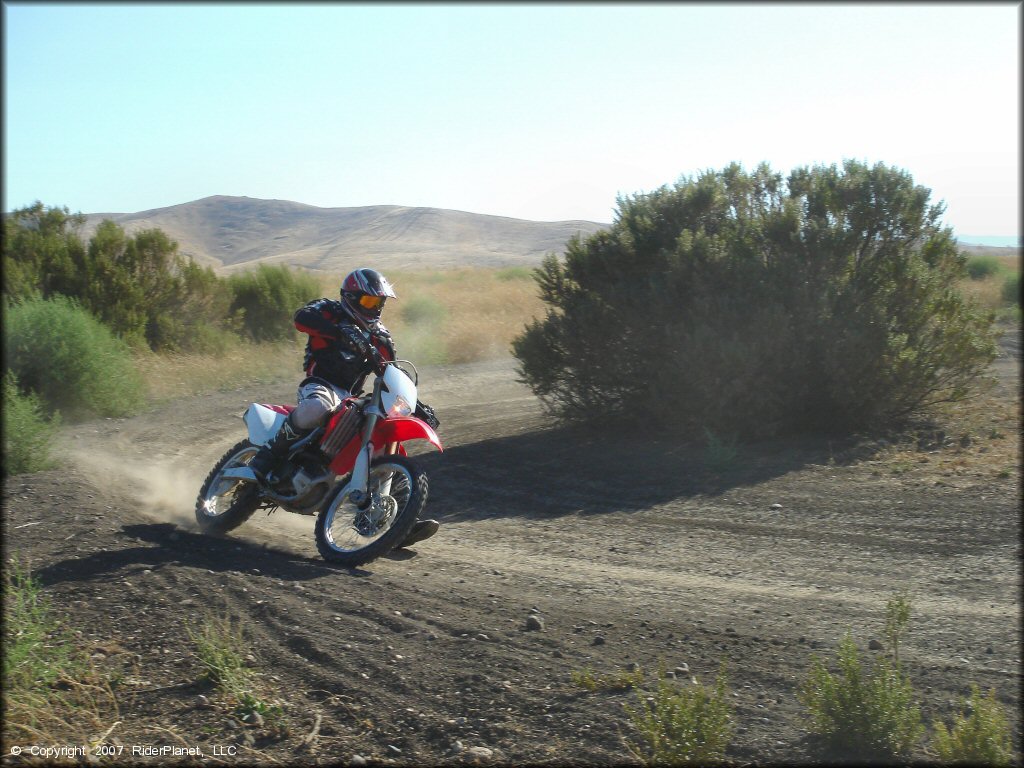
(316, 399)
(310, 413)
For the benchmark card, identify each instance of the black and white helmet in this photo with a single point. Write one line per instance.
(363, 292)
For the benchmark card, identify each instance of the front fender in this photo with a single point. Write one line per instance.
(394, 430)
(402, 428)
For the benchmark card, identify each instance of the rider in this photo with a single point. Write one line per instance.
(346, 343)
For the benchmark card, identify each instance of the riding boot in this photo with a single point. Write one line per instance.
(270, 455)
(421, 529)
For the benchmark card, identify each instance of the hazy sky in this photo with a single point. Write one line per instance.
(536, 111)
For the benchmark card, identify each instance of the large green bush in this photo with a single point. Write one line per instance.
(146, 291)
(138, 285)
(751, 305)
(265, 299)
(69, 358)
(27, 432)
(43, 252)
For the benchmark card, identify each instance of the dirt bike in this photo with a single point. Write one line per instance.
(353, 473)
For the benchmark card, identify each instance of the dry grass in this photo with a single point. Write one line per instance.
(221, 646)
(52, 693)
(988, 291)
(171, 376)
(458, 316)
(975, 439)
(482, 310)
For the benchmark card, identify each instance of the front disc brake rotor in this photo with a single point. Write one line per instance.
(381, 511)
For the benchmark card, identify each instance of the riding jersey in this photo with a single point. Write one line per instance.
(337, 350)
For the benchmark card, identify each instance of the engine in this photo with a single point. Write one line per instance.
(304, 486)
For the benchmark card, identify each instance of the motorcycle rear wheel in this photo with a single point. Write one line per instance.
(350, 537)
(221, 504)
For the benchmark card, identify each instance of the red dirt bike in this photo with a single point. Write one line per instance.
(353, 473)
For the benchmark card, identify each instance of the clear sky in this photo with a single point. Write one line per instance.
(535, 111)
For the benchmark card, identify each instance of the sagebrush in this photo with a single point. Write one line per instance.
(868, 712)
(980, 267)
(138, 285)
(864, 712)
(1011, 289)
(980, 734)
(590, 680)
(682, 724)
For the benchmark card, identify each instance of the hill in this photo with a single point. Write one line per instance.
(236, 232)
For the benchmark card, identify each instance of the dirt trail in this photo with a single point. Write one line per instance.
(629, 551)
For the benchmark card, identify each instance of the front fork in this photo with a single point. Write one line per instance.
(361, 469)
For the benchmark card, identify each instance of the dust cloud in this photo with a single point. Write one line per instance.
(165, 489)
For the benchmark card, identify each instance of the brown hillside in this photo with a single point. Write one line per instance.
(232, 232)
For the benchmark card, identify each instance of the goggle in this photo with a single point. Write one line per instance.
(371, 302)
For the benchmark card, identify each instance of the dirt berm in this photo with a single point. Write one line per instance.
(628, 551)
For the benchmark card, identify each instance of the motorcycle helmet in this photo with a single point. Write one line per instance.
(363, 292)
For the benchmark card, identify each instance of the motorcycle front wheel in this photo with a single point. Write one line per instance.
(350, 536)
(224, 503)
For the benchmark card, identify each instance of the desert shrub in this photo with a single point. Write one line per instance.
(897, 618)
(147, 292)
(193, 313)
(31, 657)
(27, 432)
(865, 713)
(221, 647)
(750, 305)
(264, 300)
(979, 737)
(980, 267)
(69, 359)
(688, 724)
(1011, 289)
